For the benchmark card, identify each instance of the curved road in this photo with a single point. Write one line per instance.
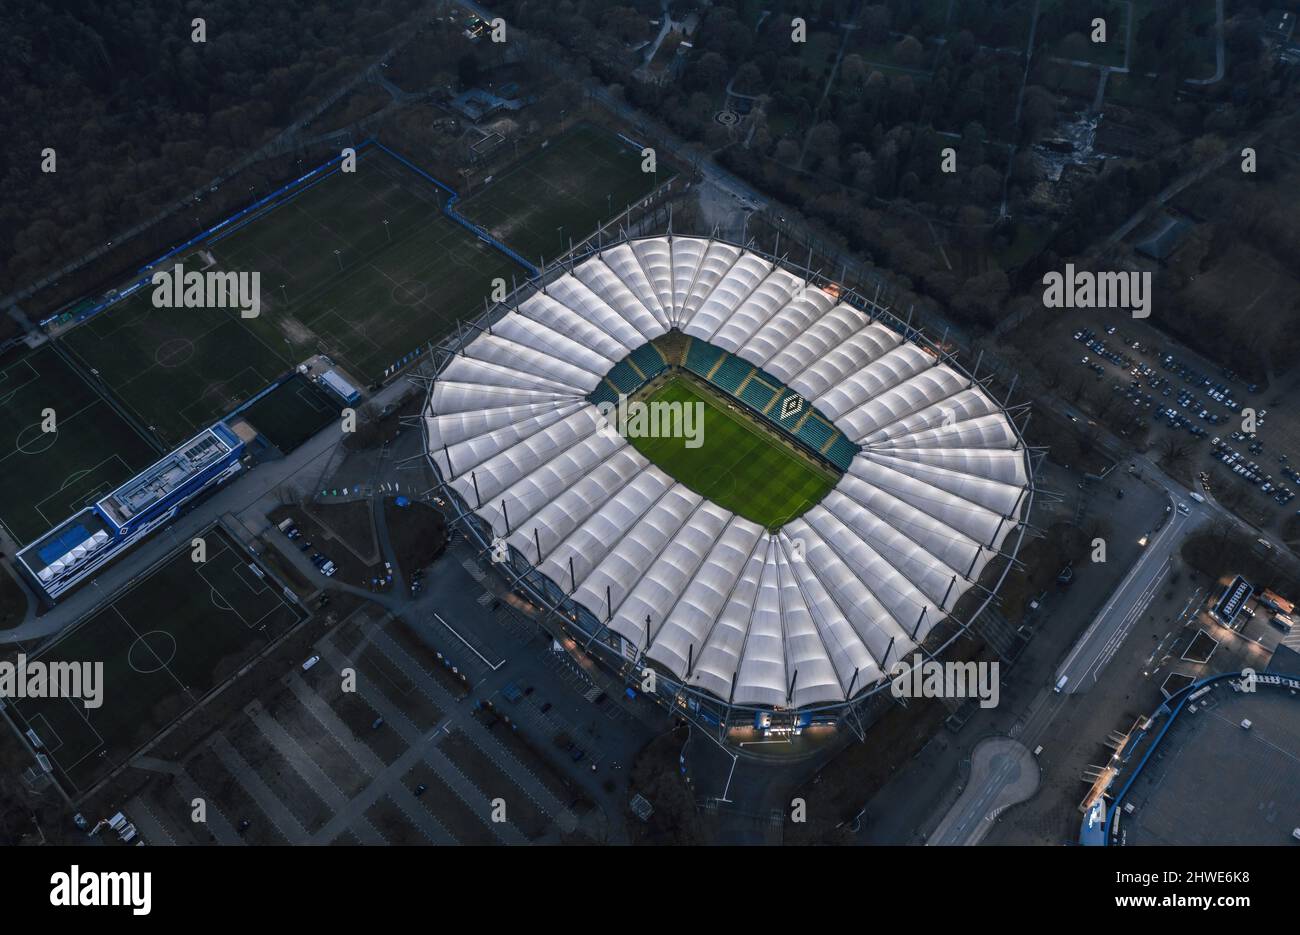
(1002, 773)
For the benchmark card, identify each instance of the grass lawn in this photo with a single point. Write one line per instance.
(164, 644)
(582, 178)
(50, 475)
(295, 411)
(739, 466)
(175, 369)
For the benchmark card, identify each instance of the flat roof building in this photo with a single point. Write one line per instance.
(93, 535)
(156, 484)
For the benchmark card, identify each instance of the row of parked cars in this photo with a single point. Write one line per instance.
(322, 562)
(1089, 339)
(1252, 473)
(1176, 420)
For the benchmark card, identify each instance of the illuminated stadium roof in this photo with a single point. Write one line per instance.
(838, 595)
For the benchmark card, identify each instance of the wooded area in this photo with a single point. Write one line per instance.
(139, 115)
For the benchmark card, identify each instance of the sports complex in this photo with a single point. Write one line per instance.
(852, 483)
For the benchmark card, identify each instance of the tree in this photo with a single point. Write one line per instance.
(908, 52)
(875, 24)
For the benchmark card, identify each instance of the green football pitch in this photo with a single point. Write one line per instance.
(164, 643)
(739, 466)
(361, 266)
(584, 177)
(293, 412)
(51, 475)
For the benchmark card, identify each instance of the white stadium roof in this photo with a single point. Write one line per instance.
(734, 610)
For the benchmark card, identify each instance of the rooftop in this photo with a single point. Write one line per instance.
(163, 478)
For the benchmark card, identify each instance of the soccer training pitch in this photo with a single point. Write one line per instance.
(164, 644)
(361, 266)
(739, 466)
(581, 179)
(48, 476)
(293, 412)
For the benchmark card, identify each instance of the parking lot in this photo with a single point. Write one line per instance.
(467, 727)
(1218, 431)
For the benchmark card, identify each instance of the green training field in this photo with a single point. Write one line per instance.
(582, 178)
(50, 475)
(335, 279)
(391, 287)
(164, 644)
(739, 466)
(175, 369)
(293, 412)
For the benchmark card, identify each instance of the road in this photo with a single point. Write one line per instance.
(1130, 600)
(1002, 773)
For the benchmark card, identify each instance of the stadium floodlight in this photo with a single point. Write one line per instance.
(932, 481)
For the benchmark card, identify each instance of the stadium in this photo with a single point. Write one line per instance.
(852, 486)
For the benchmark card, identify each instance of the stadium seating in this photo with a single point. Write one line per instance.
(648, 360)
(796, 412)
(815, 433)
(624, 378)
(757, 394)
(702, 358)
(731, 374)
(603, 393)
(841, 452)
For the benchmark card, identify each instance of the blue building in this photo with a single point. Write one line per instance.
(92, 537)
